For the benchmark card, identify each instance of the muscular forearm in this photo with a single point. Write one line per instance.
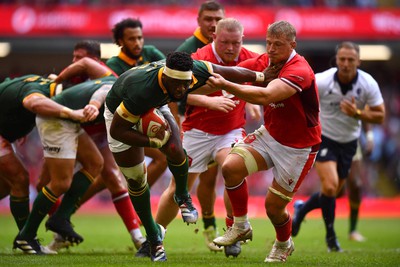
(238, 74)
(99, 97)
(85, 66)
(197, 100)
(370, 116)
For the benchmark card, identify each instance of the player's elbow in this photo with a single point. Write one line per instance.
(114, 132)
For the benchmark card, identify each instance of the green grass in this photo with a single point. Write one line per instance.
(108, 244)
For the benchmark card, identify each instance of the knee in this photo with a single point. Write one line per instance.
(276, 213)
(136, 176)
(111, 177)
(230, 172)
(329, 190)
(19, 182)
(21, 179)
(60, 187)
(94, 165)
(160, 161)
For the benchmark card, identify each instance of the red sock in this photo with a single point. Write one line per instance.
(124, 207)
(283, 231)
(239, 197)
(228, 221)
(55, 206)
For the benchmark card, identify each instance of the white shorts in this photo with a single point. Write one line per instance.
(59, 137)
(290, 164)
(5, 147)
(202, 147)
(114, 145)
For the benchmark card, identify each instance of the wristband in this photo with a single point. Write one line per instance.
(358, 114)
(260, 76)
(65, 112)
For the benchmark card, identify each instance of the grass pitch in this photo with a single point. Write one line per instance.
(107, 243)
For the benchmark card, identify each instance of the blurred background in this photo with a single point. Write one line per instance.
(38, 36)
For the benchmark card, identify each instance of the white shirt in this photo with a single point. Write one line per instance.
(335, 124)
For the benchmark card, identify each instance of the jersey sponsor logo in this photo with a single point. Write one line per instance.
(226, 94)
(249, 139)
(52, 149)
(323, 152)
(229, 95)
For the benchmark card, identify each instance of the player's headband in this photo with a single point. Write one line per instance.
(178, 74)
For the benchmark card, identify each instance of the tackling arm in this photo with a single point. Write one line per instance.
(86, 65)
(41, 105)
(275, 91)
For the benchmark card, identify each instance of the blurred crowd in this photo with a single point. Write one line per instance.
(382, 168)
(195, 3)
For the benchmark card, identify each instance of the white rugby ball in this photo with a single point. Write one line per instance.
(152, 122)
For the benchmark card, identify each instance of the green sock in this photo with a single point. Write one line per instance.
(209, 221)
(19, 207)
(141, 202)
(353, 219)
(79, 185)
(180, 173)
(41, 206)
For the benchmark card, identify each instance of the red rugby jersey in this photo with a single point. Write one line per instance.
(294, 121)
(212, 121)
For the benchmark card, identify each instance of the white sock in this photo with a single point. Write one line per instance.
(136, 234)
(241, 222)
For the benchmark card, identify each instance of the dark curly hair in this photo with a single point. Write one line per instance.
(179, 61)
(118, 30)
(92, 47)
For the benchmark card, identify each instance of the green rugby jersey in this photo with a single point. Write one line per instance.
(78, 96)
(15, 120)
(141, 88)
(194, 42)
(121, 63)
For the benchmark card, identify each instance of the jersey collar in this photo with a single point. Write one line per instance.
(345, 87)
(128, 60)
(197, 33)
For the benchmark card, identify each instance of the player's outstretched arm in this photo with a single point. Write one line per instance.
(85, 66)
(41, 105)
(276, 90)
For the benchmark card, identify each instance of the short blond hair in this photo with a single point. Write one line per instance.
(282, 28)
(229, 24)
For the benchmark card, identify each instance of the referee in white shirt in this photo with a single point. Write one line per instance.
(348, 96)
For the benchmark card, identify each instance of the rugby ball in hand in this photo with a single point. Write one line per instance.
(152, 122)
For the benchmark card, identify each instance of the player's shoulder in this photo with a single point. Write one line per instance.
(365, 76)
(202, 65)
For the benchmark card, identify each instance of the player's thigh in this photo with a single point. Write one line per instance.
(327, 172)
(129, 157)
(61, 172)
(111, 175)
(88, 154)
